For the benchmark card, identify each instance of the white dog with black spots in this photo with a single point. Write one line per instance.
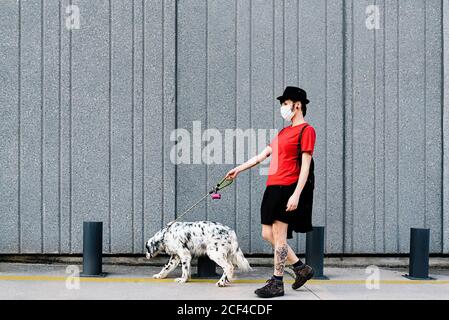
(182, 240)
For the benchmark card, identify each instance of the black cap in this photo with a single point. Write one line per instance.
(294, 94)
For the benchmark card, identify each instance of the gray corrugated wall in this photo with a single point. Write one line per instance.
(86, 117)
(393, 128)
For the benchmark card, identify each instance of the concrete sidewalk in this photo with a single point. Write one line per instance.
(41, 281)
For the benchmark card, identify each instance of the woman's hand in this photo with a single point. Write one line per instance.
(231, 175)
(292, 203)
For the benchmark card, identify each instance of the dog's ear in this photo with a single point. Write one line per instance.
(150, 243)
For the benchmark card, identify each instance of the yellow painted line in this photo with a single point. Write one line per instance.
(151, 280)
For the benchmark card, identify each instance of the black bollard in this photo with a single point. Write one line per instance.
(419, 254)
(315, 252)
(92, 249)
(206, 268)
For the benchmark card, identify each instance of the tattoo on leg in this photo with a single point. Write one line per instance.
(280, 258)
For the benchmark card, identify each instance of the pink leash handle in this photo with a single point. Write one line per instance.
(215, 196)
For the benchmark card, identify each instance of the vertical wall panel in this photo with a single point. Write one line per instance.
(159, 114)
(411, 121)
(121, 113)
(332, 137)
(192, 103)
(138, 126)
(363, 126)
(433, 125)
(31, 128)
(348, 217)
(379, 130)
(90, 121)
(279, 53)
(153, 117)
(50, 127)
(9, 126)
(445, 122)
(391, 146)
(170, 107)
(261, 102)
(243, 120)
(65, 134)
(221, 103)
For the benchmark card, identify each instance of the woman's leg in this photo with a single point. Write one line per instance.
(280, 247)
(267, 234)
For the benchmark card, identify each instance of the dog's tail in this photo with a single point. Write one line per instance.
(240, 260)
(237, 255)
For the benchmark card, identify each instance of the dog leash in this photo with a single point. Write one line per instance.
(213, 193)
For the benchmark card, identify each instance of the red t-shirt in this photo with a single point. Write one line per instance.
(284, 167)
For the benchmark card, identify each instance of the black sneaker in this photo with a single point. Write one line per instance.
(273, 288)
(303, 273)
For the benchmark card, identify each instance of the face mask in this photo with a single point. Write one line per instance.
(287, 113)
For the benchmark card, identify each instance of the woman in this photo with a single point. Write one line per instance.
(287, 200)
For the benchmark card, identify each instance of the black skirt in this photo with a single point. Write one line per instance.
(274, 203)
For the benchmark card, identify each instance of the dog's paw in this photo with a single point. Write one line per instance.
(180, 280)
(222, 283)
(157, 276)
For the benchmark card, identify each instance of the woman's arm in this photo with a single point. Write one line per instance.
(250, 163)
(303, 175)
(256, 159)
